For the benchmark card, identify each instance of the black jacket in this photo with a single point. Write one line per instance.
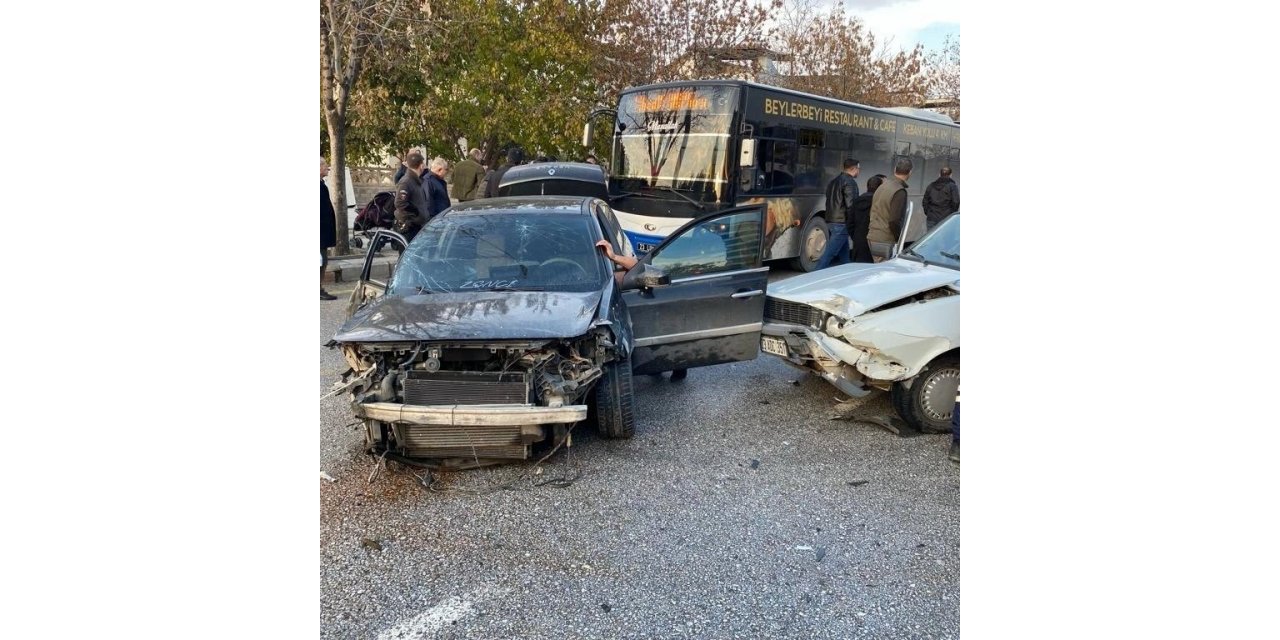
(328, 226)
(437, 194)
(491, 189)
(412, 207)
(840, 195)
(941, 199)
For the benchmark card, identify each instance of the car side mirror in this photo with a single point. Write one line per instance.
(643, 276)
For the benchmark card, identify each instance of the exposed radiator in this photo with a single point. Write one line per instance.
(444, 441)
(792, 313)
(466, 387)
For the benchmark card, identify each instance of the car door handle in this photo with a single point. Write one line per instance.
(748, 294)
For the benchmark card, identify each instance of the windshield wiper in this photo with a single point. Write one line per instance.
(422, 290)
(699, 205)
(953, 256)
(515, 289)
(628, 194)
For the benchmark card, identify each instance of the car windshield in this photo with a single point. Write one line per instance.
(674, 139)
(534, 251)
(941, 246)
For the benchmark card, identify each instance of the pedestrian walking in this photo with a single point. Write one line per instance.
(841, 192)
(941, 198)
(437, 189)
(514, 157)
(467, 176)
(412, 207)
(328, 228)
(860, 221)
(889, 207)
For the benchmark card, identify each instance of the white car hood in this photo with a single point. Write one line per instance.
(849, 290)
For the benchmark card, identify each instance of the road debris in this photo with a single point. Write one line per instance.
(325, 476)
(755, 464)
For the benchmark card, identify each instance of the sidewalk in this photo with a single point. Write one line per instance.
(347, 268)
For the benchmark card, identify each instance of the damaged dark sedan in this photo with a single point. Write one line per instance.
(503, 326)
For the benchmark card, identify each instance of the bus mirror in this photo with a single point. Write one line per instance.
(587, 130)
(748, 158)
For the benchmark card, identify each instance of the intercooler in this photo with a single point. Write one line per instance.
(466, 387)
(443, 441)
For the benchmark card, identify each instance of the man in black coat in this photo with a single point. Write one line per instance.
(860, 221)
(941, 198)
(514, 157)
(841, 193)
(328, 228)
(412, 207)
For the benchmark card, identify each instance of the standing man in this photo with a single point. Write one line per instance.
(404, 166)
(941, 198)
(889, 206)
(467, 177)
(412, 208)
(328, 228)
(437, 190)
(861, 222)
(841, 193)
(514, 157)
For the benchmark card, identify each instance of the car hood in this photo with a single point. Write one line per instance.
(479, 315)
(853, 289)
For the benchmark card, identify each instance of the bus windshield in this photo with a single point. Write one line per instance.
(675, 138)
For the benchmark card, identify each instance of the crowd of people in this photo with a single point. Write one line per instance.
(857, 221)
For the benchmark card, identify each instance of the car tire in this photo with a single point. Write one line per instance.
(806, 261)
(613, 401)
(679, 374)
(928, 404)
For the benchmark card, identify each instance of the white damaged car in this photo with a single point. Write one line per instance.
(892, 326)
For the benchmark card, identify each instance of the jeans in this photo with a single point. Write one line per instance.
(837, 249)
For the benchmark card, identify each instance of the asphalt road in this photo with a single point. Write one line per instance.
(747, 505)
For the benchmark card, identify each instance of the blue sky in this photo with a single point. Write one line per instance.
(907, 22)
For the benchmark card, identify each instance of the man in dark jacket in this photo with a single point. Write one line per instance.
(437, 189)
(412, 207)
(861, 221)
(514, 157)
(328, 228)
(941, 198)
(467, 176)
(841, 193)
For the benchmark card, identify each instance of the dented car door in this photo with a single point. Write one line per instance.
(711, 312)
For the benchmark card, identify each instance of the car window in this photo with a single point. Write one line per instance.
(724, 243)
(523, 251)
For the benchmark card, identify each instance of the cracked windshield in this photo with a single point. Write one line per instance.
(675, 139)
(515, 252)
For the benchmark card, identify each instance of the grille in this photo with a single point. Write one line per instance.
(792, 313)
(465, 387)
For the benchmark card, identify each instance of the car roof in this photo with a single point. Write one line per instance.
(524, 204)
(583, 171)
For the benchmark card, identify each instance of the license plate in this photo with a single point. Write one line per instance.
(645, 247)
(776, 346)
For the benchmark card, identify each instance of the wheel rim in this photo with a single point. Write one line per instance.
(938, 398)
(815, 243)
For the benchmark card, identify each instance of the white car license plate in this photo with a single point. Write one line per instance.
(776, 346)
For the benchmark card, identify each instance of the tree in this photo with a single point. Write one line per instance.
(944, 76)
(834, 54)
(349, 30)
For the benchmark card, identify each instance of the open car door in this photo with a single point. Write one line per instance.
(712, 310)
(369, 288)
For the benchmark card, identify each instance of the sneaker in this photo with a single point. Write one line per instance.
(325, 295)
(954, 456)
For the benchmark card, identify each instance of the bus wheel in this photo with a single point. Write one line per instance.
(813, 239)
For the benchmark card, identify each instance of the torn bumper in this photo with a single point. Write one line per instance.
(470, 415)
(489, 432)
(830, 359)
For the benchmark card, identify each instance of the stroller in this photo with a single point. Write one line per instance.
(379, 213)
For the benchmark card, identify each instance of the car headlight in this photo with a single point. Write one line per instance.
(834, 326)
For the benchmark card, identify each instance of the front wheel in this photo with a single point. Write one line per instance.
(928, 404)
(813, 240)
(613, 403)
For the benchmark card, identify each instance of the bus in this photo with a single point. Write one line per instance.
(682, 150)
